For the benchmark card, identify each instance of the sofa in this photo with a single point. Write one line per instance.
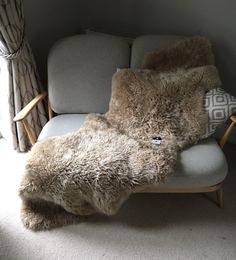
(80, 69)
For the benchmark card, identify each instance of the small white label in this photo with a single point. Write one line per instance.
(156, 141)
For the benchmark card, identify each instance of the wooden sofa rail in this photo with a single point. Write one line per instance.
(218, 188)
(22, 116)
(228, 131)
(27, 109)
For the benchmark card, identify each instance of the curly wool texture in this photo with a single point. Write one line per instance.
(111, 156)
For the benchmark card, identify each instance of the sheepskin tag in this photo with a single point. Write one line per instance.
(113, 155)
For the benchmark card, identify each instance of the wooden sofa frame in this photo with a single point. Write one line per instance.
(218, 188)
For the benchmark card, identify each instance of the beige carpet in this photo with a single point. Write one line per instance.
(149, 226)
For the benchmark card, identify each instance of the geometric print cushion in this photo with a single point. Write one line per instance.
(220, 106)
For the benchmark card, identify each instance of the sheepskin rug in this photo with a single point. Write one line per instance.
(114, 154)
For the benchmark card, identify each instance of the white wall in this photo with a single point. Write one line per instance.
(49, 20)
(215, 19)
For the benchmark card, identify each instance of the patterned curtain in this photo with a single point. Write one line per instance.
(19, 81)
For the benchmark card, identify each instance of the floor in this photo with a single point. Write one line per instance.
(148, 226)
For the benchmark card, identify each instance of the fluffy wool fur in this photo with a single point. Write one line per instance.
(111, 156)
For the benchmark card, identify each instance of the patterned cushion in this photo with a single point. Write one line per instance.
(220, 106)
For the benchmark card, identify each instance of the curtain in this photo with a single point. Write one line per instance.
(19, 80)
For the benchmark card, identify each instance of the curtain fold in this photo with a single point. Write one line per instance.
(19, 80)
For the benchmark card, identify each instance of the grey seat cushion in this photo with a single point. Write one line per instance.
(62, 124)
(80, 69)
(200, 165)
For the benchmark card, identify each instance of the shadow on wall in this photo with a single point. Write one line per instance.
(49, 21)
(212, 19)
(226, 63)
(132, 18)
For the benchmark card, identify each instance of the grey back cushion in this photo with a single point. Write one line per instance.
(80, 69)
(149, 43)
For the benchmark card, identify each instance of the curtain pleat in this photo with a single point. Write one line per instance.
(23, 82)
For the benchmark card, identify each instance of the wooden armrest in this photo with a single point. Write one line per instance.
(228, 131)
(27, 109)
(233, 118)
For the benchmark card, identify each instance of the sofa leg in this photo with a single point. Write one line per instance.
(219, 194)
